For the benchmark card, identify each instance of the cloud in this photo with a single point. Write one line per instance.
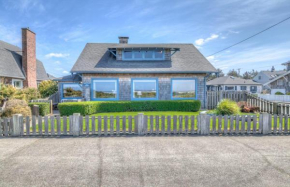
(57, 55)
(202, 41)
(65, 72)
(210, 57)
(77, 35)
(57, 62)
(24, 5)
(10, 35)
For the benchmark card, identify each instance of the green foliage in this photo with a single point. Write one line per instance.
(288, 93)
(16, 106)
(44, 108)
(47, 88)
(279, 93)
(92, 107)
(227, 107)
(8, 92)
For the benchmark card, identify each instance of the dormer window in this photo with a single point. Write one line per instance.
(153, 54)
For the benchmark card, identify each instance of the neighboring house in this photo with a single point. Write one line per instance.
(280, 83)
(229, 83)
(265, 76)
(122, 71)
(19, 67)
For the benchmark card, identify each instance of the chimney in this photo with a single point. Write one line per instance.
(29, 58)
(272, 69)
(123, 39)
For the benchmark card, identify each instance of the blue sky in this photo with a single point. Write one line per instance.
(63, 27)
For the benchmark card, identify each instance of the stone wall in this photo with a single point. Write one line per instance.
(164, 81)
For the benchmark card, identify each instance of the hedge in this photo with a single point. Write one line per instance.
(92, 107)
(44, 108)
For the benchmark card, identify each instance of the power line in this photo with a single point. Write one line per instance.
(250, 36)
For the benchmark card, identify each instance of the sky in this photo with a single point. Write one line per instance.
(63, 27)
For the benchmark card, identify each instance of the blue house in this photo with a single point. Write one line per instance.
(123, 71)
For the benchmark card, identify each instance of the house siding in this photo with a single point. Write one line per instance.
(285, 85)
(164, 82)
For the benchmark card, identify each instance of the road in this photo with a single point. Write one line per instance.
(146, 161)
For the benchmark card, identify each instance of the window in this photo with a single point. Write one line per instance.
(243, 88)
(128, 54)
(148, 54)
(144, 89)
(157, 54)
(254, 89)
(230, 88)
(280, 82)
(71, 90)
(183, 88)
(138, 54)
(104, 89)
(17, 83)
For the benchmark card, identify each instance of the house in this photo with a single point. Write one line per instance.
(230, 83)
(265, 76)
(280, 83)
(19, 67)
(123, 71)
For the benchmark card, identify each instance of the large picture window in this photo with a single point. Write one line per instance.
(71, 91)
(105, 89)
(144, 89)
(183, 88)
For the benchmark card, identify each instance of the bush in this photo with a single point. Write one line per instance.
(92, 107)
(8, 92)
(47, 88)
(227, 107)
(16, 106)
(279, 93)
(246, 108)
(44, 108)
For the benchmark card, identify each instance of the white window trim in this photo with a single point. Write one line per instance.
(16, 80)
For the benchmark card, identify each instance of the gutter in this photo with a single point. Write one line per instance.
(136, 72)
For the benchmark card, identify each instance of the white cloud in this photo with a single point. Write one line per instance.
(210, 57)
(65, 72)
(57, 55)
(57, 62)
(78, 34)
(202, 41)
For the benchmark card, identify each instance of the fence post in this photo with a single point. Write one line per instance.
(265, 123)
(140, 126)
(204, 130)
(76, 124)
(16, 125)
(35, 110)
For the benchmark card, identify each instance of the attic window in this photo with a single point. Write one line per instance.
(154, 54)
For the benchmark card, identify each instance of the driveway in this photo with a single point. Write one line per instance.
(146, 161)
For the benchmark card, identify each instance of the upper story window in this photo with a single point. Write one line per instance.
(156, 54)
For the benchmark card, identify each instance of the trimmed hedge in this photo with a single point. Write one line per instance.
(44, 108)
(92, 107)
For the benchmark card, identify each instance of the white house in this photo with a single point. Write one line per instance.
(234, 84)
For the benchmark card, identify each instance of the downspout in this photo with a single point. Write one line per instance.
(205, 90)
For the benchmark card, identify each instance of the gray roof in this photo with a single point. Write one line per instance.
(11, 63)
(95, 58)
(270, 74)
(229, 80)
(69, 78)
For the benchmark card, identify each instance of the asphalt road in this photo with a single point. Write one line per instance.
(146, 161)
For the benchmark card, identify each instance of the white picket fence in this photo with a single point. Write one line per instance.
(203, 124)
(280, 98)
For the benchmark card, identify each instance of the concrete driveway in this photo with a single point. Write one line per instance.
(146, 161)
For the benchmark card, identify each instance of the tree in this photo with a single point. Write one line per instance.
(47, 88)
(213, 76)
(233, 73)
(250, 74)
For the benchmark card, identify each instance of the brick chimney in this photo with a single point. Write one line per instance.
(29, 58)
(123, 39)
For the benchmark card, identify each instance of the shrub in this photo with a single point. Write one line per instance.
(288, 93)
(227, 107)
(8, 92)
(47, 88)
(92, 107)
(44, 108)
(279, 93)
(246, 108)
(16, 106)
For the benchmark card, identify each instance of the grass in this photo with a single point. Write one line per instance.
(133, 114)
